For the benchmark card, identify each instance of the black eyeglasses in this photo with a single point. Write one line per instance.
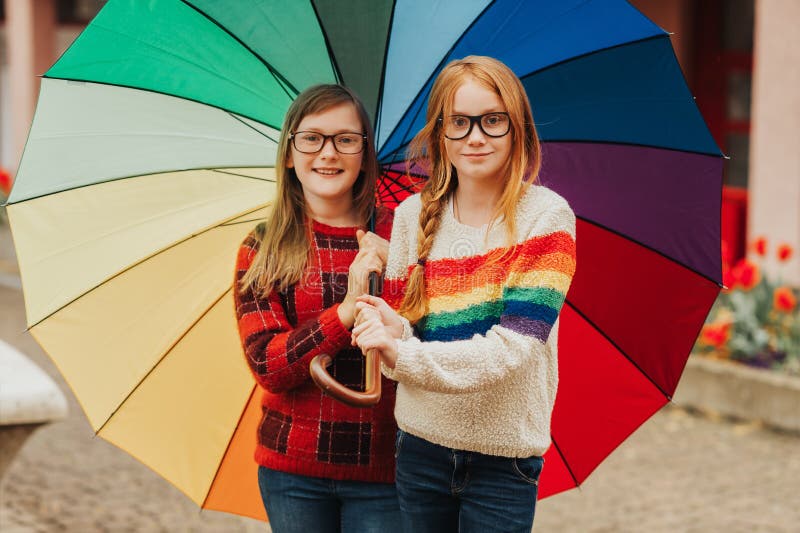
(496, 124)
(311, 142)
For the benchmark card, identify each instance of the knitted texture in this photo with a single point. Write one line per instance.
(482, 373)
(302, 430)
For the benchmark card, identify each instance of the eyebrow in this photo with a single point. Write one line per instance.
(490, 110)
(335, 132)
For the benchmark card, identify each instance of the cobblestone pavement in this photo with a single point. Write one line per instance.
(678, 473)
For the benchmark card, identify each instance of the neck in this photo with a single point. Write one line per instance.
(475, 202)
(337, 213)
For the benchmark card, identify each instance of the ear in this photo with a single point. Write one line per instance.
(289, 161)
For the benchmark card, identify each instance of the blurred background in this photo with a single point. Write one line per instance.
(724, 456)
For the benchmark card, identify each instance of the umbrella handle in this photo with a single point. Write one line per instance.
(372, 385)
(372, 388)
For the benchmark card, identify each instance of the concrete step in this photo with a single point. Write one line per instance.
(738, 391)
(29, 398)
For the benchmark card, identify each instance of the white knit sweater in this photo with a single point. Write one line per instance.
(488, 383)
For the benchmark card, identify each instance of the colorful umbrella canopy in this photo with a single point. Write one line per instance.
(151, 155)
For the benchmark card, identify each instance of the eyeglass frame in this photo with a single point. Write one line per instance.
(476, 119)
(325, 140)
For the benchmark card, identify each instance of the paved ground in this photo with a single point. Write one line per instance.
(678, 473)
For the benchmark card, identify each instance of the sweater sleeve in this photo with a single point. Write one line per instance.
(533, 293)
(277, 353)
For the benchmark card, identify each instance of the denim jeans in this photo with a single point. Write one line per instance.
(442, 489)
(305, 504)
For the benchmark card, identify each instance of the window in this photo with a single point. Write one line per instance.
(77, 11)
(724, 34)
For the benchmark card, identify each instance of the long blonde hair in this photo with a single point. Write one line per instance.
(428, 150)
(283, 254)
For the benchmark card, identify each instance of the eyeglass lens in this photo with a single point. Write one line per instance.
(310, 142)
(491, 124)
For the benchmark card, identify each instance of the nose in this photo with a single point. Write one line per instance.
(475, 135)
(328, 149)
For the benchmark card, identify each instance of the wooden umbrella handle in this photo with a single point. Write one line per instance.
(372, 387)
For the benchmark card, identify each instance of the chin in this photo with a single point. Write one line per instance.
(479, 174)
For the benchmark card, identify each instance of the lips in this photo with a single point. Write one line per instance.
(328, 171)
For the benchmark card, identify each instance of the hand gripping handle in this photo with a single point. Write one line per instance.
(372, 385)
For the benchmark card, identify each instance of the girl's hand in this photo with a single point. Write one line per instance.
(371, 257)
(367, 239)
(371, 334)
(388, 316)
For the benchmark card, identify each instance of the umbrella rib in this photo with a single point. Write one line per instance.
(236, 117)
(182, 97)
(378, 105)
(331, 55)
(441, 63)
(163, 356)
(618, 348)
(650, 248)
(564, 459)
(229, 173)
(386, 189)
(134, 265)
(593, 52)
(228, 446)
(636, 145)
(250, 220)
(285, 84)
(134, 176)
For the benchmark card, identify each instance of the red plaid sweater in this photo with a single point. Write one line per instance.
(302, 430)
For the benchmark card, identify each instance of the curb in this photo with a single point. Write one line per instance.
(738, 391)
(29, 398)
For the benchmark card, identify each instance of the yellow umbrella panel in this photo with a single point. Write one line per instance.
(128, 288)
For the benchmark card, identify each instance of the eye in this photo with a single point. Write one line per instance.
(494, 120)
(310, 137)
(347, 139)
(459, 121)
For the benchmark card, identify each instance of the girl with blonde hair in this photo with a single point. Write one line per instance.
(479, 264)
(323, 466)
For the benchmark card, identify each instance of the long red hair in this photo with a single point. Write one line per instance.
(428, 150)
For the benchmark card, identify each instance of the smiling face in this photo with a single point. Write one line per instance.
(328, 176)
(478, 156)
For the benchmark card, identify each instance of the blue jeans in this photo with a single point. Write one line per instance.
(305, 504)
(442, 489)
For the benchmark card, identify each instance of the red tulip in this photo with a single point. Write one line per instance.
(784, 252)
(716, 335)
(745, 274)
(760, 246)
(784, 300)
(5, 181)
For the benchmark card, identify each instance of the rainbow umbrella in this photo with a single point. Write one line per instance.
(152, 155)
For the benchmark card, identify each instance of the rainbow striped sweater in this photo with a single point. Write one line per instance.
(480, 371)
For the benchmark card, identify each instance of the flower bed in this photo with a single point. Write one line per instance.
(5, 189)
(755, 320)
